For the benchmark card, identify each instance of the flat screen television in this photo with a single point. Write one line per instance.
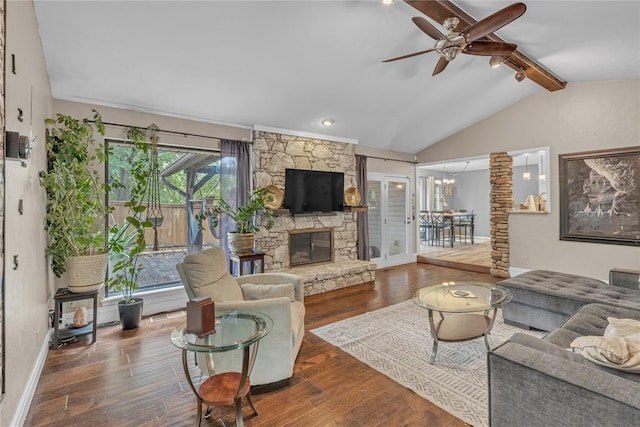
(313, 191)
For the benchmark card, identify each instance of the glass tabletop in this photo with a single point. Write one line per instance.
(465, 297)
(234, 330)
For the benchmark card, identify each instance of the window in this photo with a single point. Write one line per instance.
(187, 179)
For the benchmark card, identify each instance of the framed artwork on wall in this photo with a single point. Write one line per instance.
(600, 196)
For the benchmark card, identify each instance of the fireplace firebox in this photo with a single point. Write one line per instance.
(310, 246)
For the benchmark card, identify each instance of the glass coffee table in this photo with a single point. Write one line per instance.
(467, 300)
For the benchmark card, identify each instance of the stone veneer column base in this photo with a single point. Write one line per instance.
(500, 175)
(325, 277)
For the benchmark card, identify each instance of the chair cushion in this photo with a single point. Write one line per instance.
(252, 291)
(207, 275)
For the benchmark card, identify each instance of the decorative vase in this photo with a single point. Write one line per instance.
(130, 313)
(86, 273)
(240, 243)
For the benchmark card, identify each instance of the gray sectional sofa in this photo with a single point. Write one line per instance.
(537, 382)
(544, 299)
(540, 382)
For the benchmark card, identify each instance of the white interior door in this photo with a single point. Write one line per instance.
(389, 200)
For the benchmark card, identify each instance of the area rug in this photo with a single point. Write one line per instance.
(396, 341)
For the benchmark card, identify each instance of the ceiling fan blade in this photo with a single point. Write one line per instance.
(494, 22)
(484, 48)
(440, 66)
(409, 55)
(428, 29)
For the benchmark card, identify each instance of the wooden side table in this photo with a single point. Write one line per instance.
(64, 295)
(237, 263)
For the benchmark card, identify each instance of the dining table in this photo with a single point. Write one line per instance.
(451, 217)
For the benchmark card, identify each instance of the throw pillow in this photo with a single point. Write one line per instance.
(622, 327)
(257, 292)
(613, 352)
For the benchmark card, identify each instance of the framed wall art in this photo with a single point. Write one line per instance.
(600, 196)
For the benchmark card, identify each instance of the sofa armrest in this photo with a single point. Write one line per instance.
(276, 279)
(533, 387)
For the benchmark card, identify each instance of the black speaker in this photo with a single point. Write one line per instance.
(12, 145)
(625, 278)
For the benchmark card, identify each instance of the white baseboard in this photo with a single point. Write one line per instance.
(515, 271)
(155, 301)
(29, 391)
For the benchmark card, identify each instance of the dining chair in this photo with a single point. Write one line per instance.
(441, 228)
(424, 222)
(464, 223)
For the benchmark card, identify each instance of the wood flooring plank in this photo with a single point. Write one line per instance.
(135, 378)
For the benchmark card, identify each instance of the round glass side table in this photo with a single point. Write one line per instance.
(233, 331)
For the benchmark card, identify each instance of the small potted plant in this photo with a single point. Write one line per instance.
(126, 240)
(241, 241)
(76, 208)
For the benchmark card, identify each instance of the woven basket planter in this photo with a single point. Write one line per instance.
(86, 273)
(240, 244)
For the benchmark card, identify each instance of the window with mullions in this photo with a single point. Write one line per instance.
(188, 178)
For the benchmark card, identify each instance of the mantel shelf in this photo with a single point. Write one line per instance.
(348, 209)
(356, 208)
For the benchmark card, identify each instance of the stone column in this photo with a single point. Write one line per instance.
(501, 177)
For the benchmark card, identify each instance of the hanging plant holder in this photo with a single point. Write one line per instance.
(154, 207)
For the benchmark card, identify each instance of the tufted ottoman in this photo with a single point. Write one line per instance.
(545, 299)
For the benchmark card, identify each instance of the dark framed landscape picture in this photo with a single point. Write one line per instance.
(600, 196)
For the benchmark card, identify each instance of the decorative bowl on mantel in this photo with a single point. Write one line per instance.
(273, 199)
(352, 197)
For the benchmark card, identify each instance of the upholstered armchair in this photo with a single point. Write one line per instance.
(278, 295)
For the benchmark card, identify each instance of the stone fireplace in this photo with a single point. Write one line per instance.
(324, 263)
(310, 246)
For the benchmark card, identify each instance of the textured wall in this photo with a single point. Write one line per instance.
(276, 152)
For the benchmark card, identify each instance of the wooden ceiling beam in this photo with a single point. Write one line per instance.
(439, 10)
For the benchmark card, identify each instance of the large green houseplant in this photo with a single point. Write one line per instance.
(127, 239)
(76, 206)
(241, 240)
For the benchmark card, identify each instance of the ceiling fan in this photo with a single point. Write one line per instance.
(468, 40)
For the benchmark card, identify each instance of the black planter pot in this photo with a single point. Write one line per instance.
(130, 314)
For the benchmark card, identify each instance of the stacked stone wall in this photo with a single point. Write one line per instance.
(501, 177)
(273, 153)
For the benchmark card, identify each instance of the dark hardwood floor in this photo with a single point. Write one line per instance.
(135, 378)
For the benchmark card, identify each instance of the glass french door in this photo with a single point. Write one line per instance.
(389, 200)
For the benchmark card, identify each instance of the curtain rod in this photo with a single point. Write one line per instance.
(393, 160)
(185, 134)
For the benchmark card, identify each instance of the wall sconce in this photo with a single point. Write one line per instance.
(520, 76)
(526, 176)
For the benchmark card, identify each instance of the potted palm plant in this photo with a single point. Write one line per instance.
(76, 207)
(241, 241)
(127, 240)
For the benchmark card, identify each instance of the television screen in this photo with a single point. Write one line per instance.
(313, 191)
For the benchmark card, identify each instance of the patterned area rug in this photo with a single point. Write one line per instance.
(396, 341)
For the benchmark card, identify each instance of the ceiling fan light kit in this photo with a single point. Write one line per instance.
(495, 61)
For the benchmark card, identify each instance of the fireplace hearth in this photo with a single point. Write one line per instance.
(310, 246)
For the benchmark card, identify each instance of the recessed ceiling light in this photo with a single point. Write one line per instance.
(328, 122)
(388, 1)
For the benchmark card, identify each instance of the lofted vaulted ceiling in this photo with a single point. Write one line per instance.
(290, 64)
